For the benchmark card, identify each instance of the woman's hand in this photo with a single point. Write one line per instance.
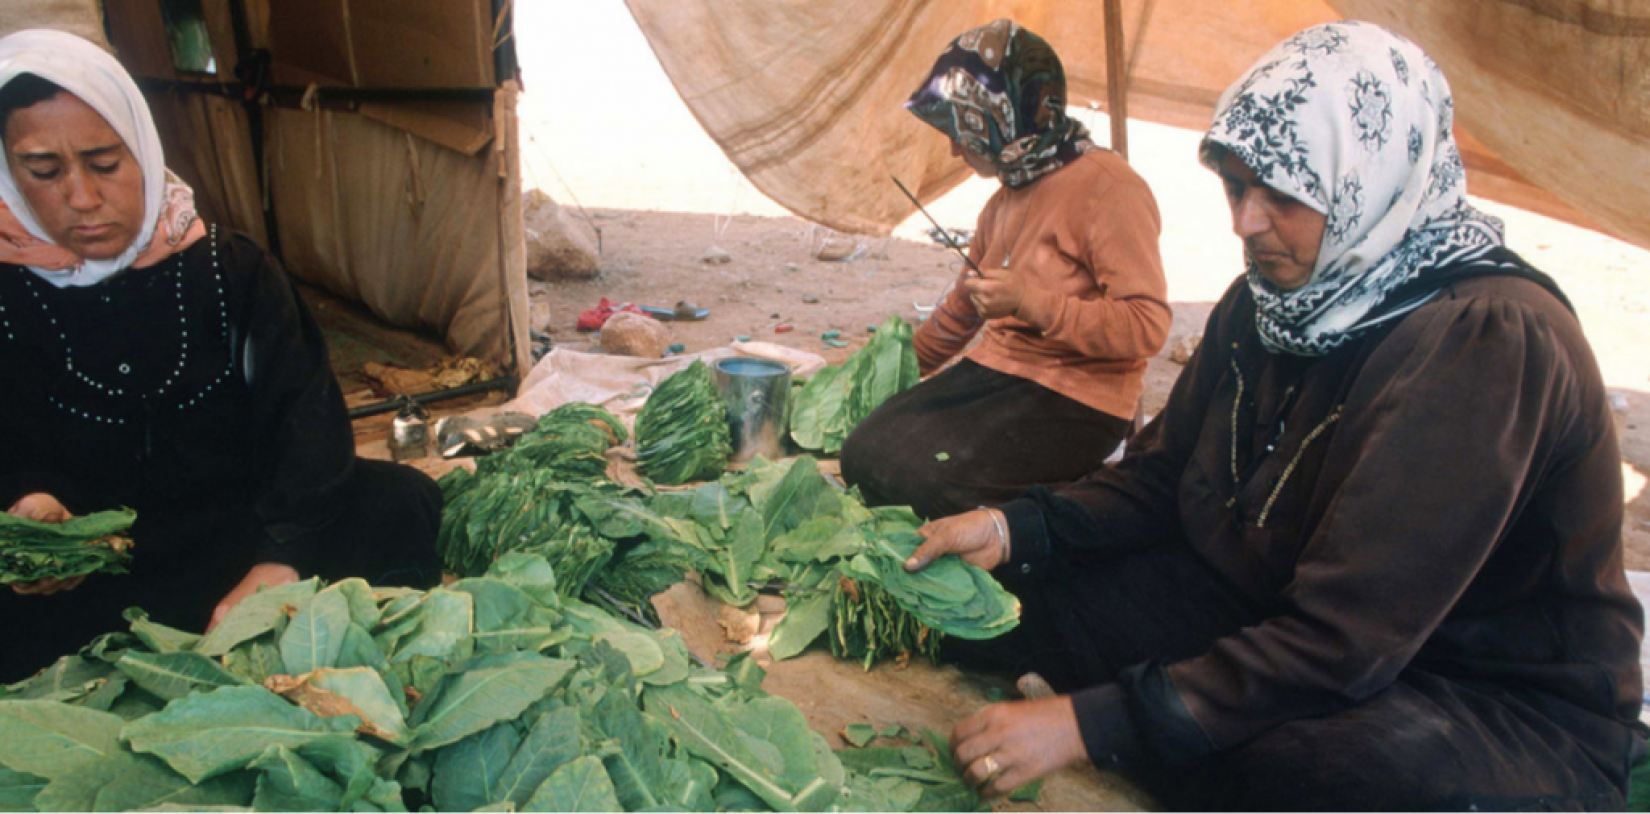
(39, 506)
(46, 509)
(980, 537)
(1007, 745)
(262, 575)
(997, 294)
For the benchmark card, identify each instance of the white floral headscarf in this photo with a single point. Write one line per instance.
(1353, 121)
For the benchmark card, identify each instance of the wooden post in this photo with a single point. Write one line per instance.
(1117, 80)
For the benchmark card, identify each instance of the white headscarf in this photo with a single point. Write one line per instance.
(90, 73)
(1353, 121)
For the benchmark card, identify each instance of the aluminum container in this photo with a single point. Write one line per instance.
(755, 392)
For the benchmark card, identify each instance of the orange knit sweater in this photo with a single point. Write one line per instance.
(1096, 304)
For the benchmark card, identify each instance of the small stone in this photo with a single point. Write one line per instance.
(809, 299)
(628, 334)
(716, 256)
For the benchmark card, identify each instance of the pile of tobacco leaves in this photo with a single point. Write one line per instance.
(838, 397)
(682, 431)
(31, 550)
(493, 693)
(774, 527)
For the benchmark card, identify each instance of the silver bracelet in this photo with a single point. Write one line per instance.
(1002, 532)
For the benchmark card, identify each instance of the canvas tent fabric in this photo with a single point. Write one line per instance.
(805, 98)
(370, 143)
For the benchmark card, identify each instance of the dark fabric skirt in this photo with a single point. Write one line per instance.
(998, 435)
(1427, 742)
(386, 536)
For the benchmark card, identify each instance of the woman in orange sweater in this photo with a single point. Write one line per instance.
(1071, 304)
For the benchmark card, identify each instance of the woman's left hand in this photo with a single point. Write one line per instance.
(262, 575)
(997, 294)
(1007, 745)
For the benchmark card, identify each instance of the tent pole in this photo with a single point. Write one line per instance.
(1117, 80)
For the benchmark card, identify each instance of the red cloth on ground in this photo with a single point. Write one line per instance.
(592, 319)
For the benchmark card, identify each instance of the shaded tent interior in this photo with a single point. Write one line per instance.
(1553, 96)
(370, 143)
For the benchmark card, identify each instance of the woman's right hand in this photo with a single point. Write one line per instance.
(976, 536)
(46, 509)
(39, 506)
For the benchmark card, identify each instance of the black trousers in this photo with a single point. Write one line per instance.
(386, 535)
(999, 435)
(1426, 742)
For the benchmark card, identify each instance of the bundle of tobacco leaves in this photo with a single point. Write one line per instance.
(495, 693)
(489, 515)
(783, 526)
(31, 550)
(571, 440)
(838, 397)
(682, 430)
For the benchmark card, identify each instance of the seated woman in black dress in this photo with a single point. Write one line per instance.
(1369, 555)
(156, 363)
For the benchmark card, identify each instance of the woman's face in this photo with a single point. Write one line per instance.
(981, 165)
(81, 181)
(1280, 234)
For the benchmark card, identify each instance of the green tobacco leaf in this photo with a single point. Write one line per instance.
(68, 678)
(807, 615)
(287, 782)
(686, 785)
(316, 634)
(714, 735)
(581, 785)
(50, 739)
(820, 403)
(445, 618)
(364, 688)
(145, 783)
(349, 762)
(802, 495)
(256, 615)
(552, 742)
(207, 734)
(158, 637)
(255, 660)
(363, 604)
(529, 572)
(466, 772)
(859, 734)
(17, 790)
(472, 701)
(174, 675)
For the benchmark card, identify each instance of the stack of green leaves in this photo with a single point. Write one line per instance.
(489, 515)
(31, 550)
(571, 441)
(784, 526)
(682, 430)
(838, 397)
(493, 692)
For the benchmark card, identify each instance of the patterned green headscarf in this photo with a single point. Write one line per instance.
(999, 91)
